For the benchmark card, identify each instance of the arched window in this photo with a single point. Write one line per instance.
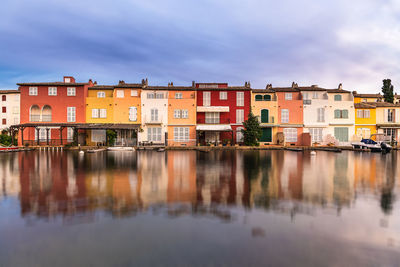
(267, 98)
(264, 116)
(46, 113)
(259, 97)
(34, 113)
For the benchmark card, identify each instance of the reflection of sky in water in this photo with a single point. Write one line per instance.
(313, 208)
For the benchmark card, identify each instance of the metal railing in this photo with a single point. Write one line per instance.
(214, 121)
(270, 119)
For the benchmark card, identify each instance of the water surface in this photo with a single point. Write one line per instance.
(180, 208)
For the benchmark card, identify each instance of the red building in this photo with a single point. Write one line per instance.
(48, 109)
(221, 110)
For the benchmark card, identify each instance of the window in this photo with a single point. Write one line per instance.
(284, 116)
(120, 93)
(52, 90)
(390, 132)
(133, 114)
(239, 115)
(134, 93)
(4, 121)
(206, 99)
(185, 114)
(267, 98)
(71, 91)
(223, 95)
(239, 135)
(150, 96)
(159, 95)
(33, 91)
(181, 134)
(42, 134)
(103, 113)
(3, 98)
(390, 115)
(154, 114)
(360, 113)
(16, 120)
(212, 117)
(338, 98)
(366, 113)
(178, 95)
(290, 134)
(177, 113)
(321, 115)
(341, 114)
(240, 99)
(341, 134)
(288, 96)
(101, 94)
(259, 98)
(364, 132)
(71, 114)
(315, 95)
(15, 110)
(316, 135)
(67, 80)
(305, 95)
(70, 133)
(154, 134)
(95, 113)
(4, 109)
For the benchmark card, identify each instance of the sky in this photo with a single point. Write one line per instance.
(321, 42)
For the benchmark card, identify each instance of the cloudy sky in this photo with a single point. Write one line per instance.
(356, 42)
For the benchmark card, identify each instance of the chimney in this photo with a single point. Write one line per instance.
(95, 82)
(193, 84)
(269, 86)
(248, 84)
(171, 84)
(340, 87)
(245, 84)
(121, 82)
(314, 86)
(294, 85)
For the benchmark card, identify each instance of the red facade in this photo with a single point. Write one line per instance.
(230, 100)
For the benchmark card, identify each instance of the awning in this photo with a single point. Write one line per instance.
(213, 109)
(216, 128)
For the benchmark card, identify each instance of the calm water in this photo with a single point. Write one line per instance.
(181, 208)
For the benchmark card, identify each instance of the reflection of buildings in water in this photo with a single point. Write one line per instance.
(291, 175)
(181, 176)
(343, 179)
(9, 173)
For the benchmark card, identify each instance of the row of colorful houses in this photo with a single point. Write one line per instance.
(57, 113)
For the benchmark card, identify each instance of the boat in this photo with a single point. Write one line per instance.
(121, 148)
(298, 149)
(161, 149)
(367, 144)
(95, 150)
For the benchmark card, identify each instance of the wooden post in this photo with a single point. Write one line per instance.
(47, 136)
(232, 136)
(12, 135)
(61, 139)
(76, 135)
(38, 135)
(22, 135)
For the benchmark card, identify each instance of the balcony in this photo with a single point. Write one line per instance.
(270, 119)
(34, 118)
(213, 121)
(154, 120)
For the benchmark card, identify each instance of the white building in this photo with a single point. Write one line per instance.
(315, 112)
(10, 108)
(341, 116)
(154, 115)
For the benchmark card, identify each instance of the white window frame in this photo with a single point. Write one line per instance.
(101, 94)
(151, 96)
(360, 113)
(52, 91)
(103, 113)
(70, 133)
(159, 95)
(321, 115)
(206, 99)
(316, 135)
(71, 91)
(240, 116)
(288, 96)
(284, 115)
(181, 134)
(134, 93)
(367, 113)
(71, 114)
(239, 135)
(223, 95)
(33, 91)
(154, 134)
(315, 95)
(120, 94)
(185, 113)
(95, 113)
(240, 99)
(290, 135)
(212, 117)
(177, 113)
(178, 95)
(132, 114)
(154, 114)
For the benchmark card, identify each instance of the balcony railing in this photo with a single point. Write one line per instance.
(270, 119)
(214, 121)
(154, 120)
(34, 118)
(46, 118)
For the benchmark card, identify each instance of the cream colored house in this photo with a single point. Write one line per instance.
(388, 119)
(10, 108)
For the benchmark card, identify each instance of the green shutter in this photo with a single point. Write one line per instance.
(342, 134)
(264, 115)
(338, 98)
(267, 98)
(266, 135)
(259, 97)
(337, 113)
(345, 114)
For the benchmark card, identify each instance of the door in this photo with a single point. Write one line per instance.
(264, 115)
(266, 135)
(342, 134)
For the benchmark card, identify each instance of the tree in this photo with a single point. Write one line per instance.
(252, 131)
(387, 90)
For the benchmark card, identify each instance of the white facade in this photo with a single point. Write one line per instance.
(10, 108)
(341, 117)
(154, 116)
(315, 114)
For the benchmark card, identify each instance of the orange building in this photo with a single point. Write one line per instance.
(181, 116)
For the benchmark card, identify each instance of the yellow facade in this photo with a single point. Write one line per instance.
(365, 120)
(363, 98)
(181, 102)
(95, 100)
(264, 99)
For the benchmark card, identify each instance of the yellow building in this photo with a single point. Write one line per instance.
(264, 105)
(182, 116)
(358, 98)
(365, 119)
